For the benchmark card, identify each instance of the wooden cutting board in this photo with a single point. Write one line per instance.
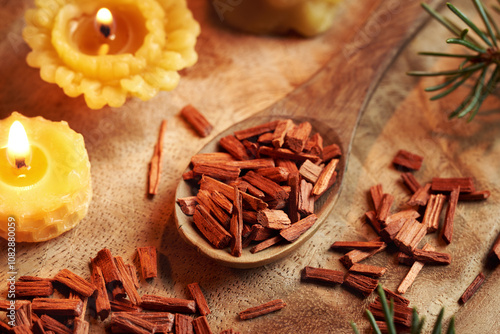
(236, 76)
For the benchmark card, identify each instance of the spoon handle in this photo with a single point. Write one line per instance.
(338, 94)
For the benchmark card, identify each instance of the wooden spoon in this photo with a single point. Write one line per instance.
(332, 101)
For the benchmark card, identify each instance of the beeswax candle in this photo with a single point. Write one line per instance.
(152, 41)
(45, 185)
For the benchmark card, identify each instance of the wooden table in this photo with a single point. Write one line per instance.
(236, 76)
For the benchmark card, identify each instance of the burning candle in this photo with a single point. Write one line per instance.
(45, 184)
(105, 23)
(112, 49)
(18, 147)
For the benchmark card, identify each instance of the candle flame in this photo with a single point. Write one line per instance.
(105, 23)
(18, 146)
(104, 16)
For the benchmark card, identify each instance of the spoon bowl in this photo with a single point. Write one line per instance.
(322, 206)
(332, 101)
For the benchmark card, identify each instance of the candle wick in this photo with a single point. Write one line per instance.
(105, 30)
(20, 163)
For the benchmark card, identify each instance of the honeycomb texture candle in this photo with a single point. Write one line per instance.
(154, 39)
(53, 195)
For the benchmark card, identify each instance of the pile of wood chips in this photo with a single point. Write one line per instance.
(405, 231)
(262, 189)
(111, 292)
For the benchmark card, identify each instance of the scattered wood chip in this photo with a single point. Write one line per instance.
(433, 211)
(263, 309)
(322, 275)
(201, 325)
(408, 160)
(156, 161)
(355, 256)
(128, 323)
(412, 273)
(102, 305)
(472, 288)
(495, 249)
(266, 244)
(314, 145)
(276, 174)
(163, 321)
(75, 282)
(280, 132)
(255, 164)
(474, 196)
(187, 205)
(256, 130)
(432, 257)
(234, 147)
(288, 165)
(57, 306)
(293, 198)
(296, 137)
(447, 230)
(183, 324)
(23, 313)
(104, 260)
(395, 222)
(26, 289)
(421, 196)
(269, 187)
(310, 171)
(368, 270)
(147, 260)
(384, 207)
(398, 299)
(410, 234)
(216, 170)
(376, 193)
(51, 324)
(127, 282)
(410, 182)
(360, 283)
(213, 157)
(210, 228)
(448, 184)
(295, 230)
(80, 326)
(326, 178)
(168, 304)
(123, 305)
(273, 219)
(210, 184)
(331, 151)
(363, 245)
(402, 313)
(236, 228)
(199, 298)
(196, 120)
(306, 200)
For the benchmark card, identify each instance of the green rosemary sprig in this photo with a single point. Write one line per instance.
(482, 66)
(417, 324)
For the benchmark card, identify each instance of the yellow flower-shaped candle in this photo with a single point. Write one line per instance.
(45, 185)
(137, 51)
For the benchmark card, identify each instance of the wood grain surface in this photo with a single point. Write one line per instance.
(236, 76)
